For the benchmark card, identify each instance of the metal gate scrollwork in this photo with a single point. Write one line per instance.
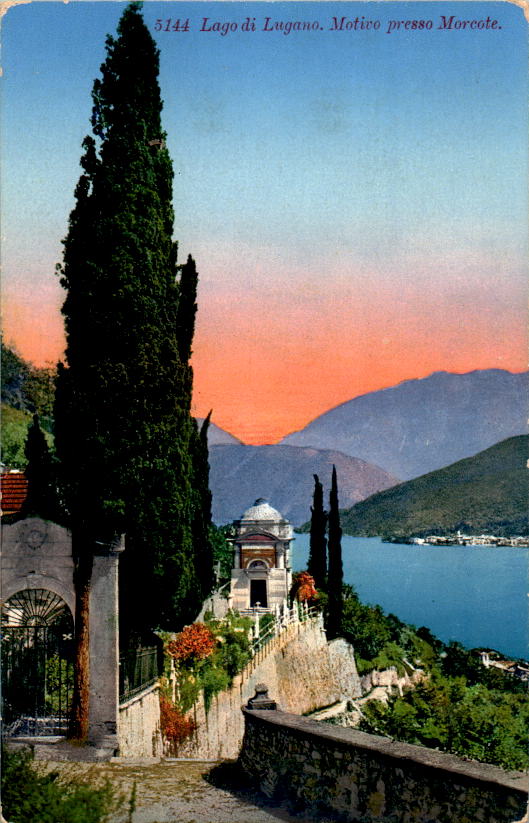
(37, 663)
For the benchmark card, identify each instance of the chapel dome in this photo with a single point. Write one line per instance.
(262, 510)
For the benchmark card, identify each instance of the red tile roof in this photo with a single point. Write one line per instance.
(13, 488)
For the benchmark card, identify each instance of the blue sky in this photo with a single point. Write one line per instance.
(310, 169)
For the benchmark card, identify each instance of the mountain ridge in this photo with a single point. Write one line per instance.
(485, 493)
(423, 424)
(284, 476)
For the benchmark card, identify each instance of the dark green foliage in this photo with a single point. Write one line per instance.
(457, 661)
(201, 525)
(130, 451)
(187, 309)
(222, 549)
(14, 432)
(215, 673)
(366, 627)
(27, 388)
(42, 496)
(335, 570)
(447, 713)
(40, 389)
(234, 651)
(229, 658)
(265, 623)
(461, 706)
(44, 798)
(317, 562)
(486, 493)
(214, 679)
(14, 374)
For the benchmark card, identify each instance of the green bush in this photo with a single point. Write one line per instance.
(213, 681)
(229, 658)
(446, 713)
(188, 689)
(29, 796)
(222, 549)
(460, 707)
(390, 656)
(215, 672)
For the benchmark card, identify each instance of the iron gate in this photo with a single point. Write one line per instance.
(37, 664)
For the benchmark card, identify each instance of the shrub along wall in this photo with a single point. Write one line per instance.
(305, 673)
(349, 775)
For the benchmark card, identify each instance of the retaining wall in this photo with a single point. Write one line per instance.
(139, 725)
(348, 775)
(304, 673)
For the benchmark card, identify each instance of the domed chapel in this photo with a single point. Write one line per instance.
(261, 576)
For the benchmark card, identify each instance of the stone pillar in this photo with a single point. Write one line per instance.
(104, 647)
(280, 554)
(237, 558)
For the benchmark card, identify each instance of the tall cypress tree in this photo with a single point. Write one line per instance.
(317, 563)
(202, 510)
(335, 576)
(42, 498)
(123, 426)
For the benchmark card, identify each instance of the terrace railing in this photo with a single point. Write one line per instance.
(282, 619)
(138, 669)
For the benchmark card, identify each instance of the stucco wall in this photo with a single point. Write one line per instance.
(139, 725)
(344, 774)
(303, 672)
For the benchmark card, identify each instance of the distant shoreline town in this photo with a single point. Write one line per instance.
(470, 540)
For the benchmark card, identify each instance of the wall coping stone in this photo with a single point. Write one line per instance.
(429, 759)
(137, 697)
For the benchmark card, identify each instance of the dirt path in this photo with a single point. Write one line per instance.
(182, 792)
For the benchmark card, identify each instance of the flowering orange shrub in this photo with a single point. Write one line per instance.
(304, 587)
(196, 641)
(176, 727)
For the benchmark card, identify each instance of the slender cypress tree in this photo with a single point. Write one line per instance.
(202, 517)
(42, 498)
(123, 426)
(335, 576)
(317, 563)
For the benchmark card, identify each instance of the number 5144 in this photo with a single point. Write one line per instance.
(172, 25)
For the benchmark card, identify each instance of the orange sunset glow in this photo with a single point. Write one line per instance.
(275, 357)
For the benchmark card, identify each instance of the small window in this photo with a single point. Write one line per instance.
(257, 564)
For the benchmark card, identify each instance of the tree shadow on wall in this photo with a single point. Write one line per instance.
(230, 777)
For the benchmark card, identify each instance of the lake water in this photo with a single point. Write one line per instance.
(474, 594)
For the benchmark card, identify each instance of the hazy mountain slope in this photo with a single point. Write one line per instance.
(422, 425)
(487, 493)
(217, 436)
(284, 475)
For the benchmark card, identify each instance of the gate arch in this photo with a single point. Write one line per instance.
(40, 581)
(37, 662)
(37, 555)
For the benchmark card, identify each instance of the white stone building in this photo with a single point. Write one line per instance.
(261, 576)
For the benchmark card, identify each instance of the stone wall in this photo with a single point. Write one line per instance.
(389, 679)
(347, 775)
(304, 673)
(139, 725)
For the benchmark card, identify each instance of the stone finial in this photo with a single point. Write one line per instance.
(260, 700)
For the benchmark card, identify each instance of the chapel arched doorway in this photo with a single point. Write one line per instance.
(37, 663)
